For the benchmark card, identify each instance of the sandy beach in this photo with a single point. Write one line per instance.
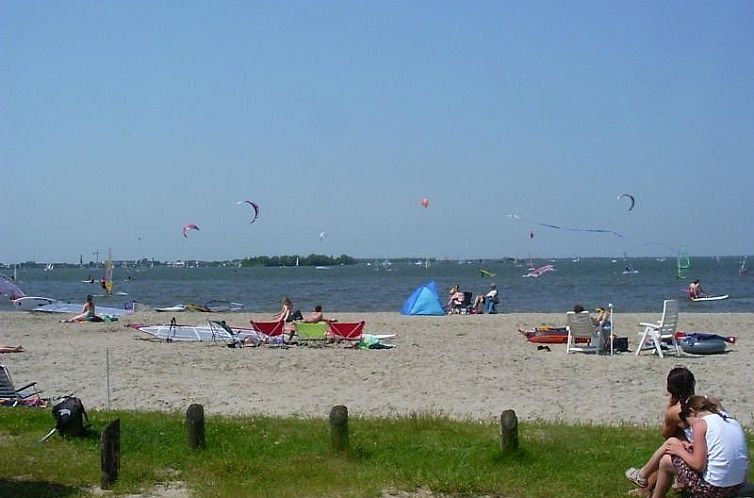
(461, 366)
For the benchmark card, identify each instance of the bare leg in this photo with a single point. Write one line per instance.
(664, 477)
(653, 463)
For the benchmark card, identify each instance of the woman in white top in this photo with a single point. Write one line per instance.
(714, 465)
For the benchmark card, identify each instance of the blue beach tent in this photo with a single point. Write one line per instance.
(425, 300)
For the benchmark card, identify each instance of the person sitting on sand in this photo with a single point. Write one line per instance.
(88, 312)
(285, 312)
(488, 301)
(712, 462)
(316, 316)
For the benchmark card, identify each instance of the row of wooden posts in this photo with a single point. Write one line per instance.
(110, 437)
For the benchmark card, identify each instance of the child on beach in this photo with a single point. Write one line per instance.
(712, 462)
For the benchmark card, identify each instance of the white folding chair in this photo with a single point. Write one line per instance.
(664, 329)
(580, 326)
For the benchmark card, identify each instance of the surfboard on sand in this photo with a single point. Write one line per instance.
(31, 303)
(76, 308)
(709, 298)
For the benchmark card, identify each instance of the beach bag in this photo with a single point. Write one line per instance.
(620, 344)
(70, 416)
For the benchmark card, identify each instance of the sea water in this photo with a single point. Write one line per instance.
(384, 286)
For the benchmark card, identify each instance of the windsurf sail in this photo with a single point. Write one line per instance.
(9, 288)
(198, 333)
(107, 276)
(743, 270)
(683, 264)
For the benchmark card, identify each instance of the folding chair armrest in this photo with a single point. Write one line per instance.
(649, 325)
(34, 392)
(27, 386)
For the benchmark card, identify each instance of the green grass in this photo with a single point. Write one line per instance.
(291, 457)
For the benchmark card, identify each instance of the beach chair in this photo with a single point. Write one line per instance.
(9, 394)
(272, 332)
(581, 329)
(664, 329)
(346, 331)
(221, 330)
(311, 332)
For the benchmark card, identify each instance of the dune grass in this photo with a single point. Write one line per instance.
(291, 457)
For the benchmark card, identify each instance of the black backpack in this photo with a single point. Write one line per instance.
(69, 416)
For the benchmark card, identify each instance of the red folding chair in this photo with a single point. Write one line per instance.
(270, 330)
(346, 331)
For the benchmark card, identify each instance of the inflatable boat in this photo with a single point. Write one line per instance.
(702, 343)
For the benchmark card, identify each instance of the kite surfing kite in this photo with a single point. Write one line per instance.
(253, 205)
(425, 202)
(629, 197)
(187, 227)
(322, 235)
(516, 217)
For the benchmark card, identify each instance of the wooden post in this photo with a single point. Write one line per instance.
(110, 454)
(508, 431)
(195, 426)
(339, 427)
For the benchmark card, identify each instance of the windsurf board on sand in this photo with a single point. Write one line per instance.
(76, 308)
(709, 298)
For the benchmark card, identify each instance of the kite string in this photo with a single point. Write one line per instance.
(571, 229)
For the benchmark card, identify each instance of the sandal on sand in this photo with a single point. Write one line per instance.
(633, 475)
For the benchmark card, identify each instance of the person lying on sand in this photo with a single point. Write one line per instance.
(11, 349)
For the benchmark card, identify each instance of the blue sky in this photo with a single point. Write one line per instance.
(122, 121)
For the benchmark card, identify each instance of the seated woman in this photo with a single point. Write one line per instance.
(487, 301)
(680, 385)
(88, 313)
(713, 462)
(456, 299)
